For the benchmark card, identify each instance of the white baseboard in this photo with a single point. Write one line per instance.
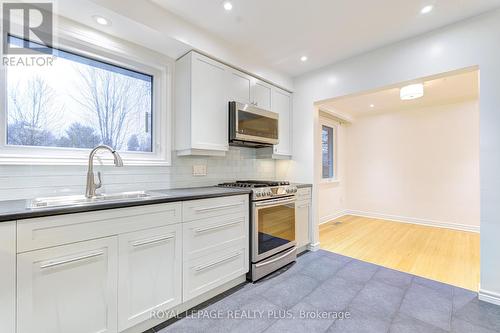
(489, 296)
(313, 247)
(331, 217)
(414, 220)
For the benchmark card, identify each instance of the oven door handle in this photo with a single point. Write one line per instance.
(275, 259)
(276, 202)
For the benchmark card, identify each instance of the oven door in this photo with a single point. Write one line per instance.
(251, 124)
(273, 227)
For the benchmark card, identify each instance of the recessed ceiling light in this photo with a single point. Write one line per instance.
(412, 91)
(101, 20)
(426, 9)
(303, 58)
(227, 5)
(372, 105)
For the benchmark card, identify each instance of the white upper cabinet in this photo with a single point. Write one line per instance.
(261, 95)
(201, 106)
(244, 88)
(203, 88)
(239, 86)
(282, 104)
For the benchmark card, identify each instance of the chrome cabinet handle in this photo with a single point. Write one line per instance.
(215, 263)
(52, 263)
(201, 230)
(204, 209)
(271, 203)
(152, 240)
(275, 259)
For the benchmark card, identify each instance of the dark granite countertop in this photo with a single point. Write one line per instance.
(302, 185)
(12, 210)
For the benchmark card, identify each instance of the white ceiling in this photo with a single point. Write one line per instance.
(279, 32)
(437, 91)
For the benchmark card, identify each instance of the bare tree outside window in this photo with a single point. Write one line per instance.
(33, 112)
(79, 102)
(111, 99)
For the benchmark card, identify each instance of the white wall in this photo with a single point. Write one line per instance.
(332, 195)
(467, 43)
(416, 165)
(22, 182)
(28, 181)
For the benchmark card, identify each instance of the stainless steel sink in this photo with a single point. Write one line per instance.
(80, 200)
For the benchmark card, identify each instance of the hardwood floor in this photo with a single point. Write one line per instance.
(445, 255)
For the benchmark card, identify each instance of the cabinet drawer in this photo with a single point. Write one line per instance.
(51, 231)
(304, 193)
(214, 234)
(205, 208)
(208, 272)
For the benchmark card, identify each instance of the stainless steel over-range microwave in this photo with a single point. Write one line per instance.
(251, 126)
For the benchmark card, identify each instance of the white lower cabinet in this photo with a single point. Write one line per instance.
(8, 277)
(209, 235)
(69, 288)
(210, 271)
(302, 217)
(129, 265)
(149, 278)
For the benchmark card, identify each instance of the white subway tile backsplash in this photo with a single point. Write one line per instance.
(21, 182)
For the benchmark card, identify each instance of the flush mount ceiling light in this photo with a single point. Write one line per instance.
(101, 20)
(372, 105)
(412, 91)
(227, 5)
(303, 58)
(426, 9)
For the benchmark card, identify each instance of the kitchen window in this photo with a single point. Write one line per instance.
(328, 152)
(61, 111)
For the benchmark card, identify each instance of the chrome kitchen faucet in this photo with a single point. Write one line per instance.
(91, 184)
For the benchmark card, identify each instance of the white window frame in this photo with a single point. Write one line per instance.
(335, 126)
(85, 42)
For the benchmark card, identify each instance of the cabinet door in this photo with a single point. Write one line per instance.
(261, 95)
(302, 217)
(149, 273)
(238, 87)
(282, 104)
(209, 105)
(69, 288)
(8, 277)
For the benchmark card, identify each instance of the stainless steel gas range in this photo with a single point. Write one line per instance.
(272, 225)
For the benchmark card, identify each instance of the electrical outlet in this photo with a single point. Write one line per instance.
(199, 170)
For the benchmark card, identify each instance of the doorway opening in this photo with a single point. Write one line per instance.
(398, 180)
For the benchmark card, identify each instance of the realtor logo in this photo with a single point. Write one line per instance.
(30, 22)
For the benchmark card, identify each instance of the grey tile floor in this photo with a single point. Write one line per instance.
(326, 292)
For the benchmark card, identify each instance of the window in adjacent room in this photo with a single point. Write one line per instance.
(328, 151)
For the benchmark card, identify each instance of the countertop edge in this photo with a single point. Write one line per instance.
(300, 185)
(28, 214)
